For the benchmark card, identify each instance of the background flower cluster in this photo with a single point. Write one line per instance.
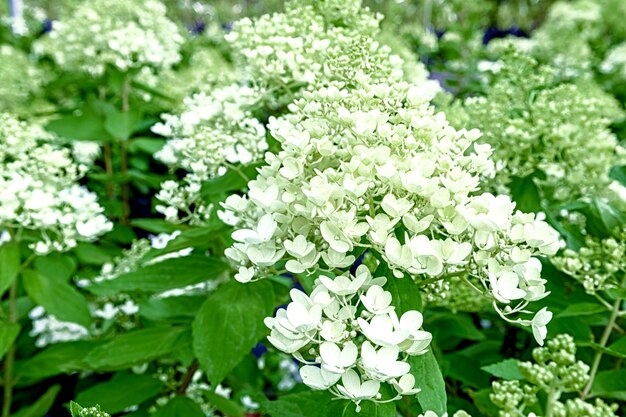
(312, 208)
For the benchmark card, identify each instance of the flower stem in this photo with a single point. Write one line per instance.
(553, 397)
(603, 341)
(124, 158)
(188, 377)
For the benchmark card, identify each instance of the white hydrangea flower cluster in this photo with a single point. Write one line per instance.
(290, 49)
(539, 128)
(375, 168)
(50, 330)
(615, 61)
(123, 34)
(85, 152)
(214, 131)
(315, 42)
(281, 54)
(362, 350)
(39, 190)
(21, 79)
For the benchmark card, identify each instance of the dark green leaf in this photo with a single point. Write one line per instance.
(56, 265)
(405, 294)
(91, 254)
(125, 389)
(55, 359)
(164, 276)
(507, 369)
(57, 297)
(135, 347)
(121, 125)
(227, 407)
(86, 127)
(610, 384)
(307, 403)
(180, 407)
(9, 264)
(428, 377)
(230, 181)
(146, 145)
(582, 309)
(155, 225)
(42, 405)
(454, 326)
(171, 308)
(8, 334)
(525, 193)
(229, 324)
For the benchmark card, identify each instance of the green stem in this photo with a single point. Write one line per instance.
(124, 158)
(603, 341)
(553, 397)
(9, 360)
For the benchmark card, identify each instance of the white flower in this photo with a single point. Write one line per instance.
(411, 322)
(244, 274)
(539, 323)
(380, 330)
(376, 300)
(383, 364)
(338, 360)
(261, 234)
(115, 33)
(406, 385)
(505, 286)
(355, 390)
(343, 285)
(318, 378)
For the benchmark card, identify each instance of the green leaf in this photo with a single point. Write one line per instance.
(155, 225)
(507, 369)
(42, 405)
(230, 181)
(8, 334)
(229, 324)
(86, 127)
(57, 297)
(483, 402)
(224, 405)
(124, 390)
(146, 145)
(525, 193)
(180, 407)
(54, 360)
(122, 125)
(9, 264)
(75, 409)
(164, 276)
(582, 309)
(307, 403)
(454, 328)
(171, 308)
(428, 377)
(56, 265)
(322, 404)
(405, 294)
(619, 347)
(92, 254)
(135, 347)
(602, 218)
(610, 384)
